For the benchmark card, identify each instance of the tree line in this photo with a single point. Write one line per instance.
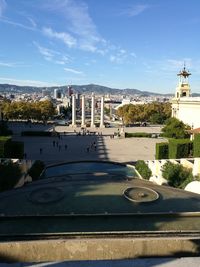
(152, 112)
(28, 110)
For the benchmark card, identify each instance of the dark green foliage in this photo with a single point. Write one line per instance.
(3, 141)
(179, 148)
(162, 151)
(4, 129)
(176, 174)
(128, 135)
(175, 129)
(10, 174)
(36, 169)
(196, 152)
(14, 149)
(157, 118)
(143, 169)
(36, 133)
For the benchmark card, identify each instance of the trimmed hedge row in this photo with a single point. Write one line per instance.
(128, 135)
(179, 148)
(196, 152)
(162, 150)
(175, 149)
(36, 133)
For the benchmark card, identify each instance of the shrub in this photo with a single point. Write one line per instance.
(179, 148)
(10, 174)
(3, 141)
(176, 174)
(143, 169)
(128, 135)
(14, 149)
(196, 152)
(162, 151)
(36, 169)
(36, 133)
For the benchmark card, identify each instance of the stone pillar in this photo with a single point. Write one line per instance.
(83, 112)
(92, 111)
(102, 113)
(73, 111)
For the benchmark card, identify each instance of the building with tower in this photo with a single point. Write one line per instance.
(185, 107)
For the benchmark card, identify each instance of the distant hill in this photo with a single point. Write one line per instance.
(88, 88)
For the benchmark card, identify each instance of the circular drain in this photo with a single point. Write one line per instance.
(46, 195)
(140, 194)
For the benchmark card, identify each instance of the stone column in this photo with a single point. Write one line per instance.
(102, 113)
(92, 111)
(83, 112)
(73, 111)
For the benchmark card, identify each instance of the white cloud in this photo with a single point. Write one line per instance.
(12, 64)
(52, 55)
(2, 6)
(17, 24)
(32, 21)
(26, 82)
(79, 24)
(133, 54)
(134, 10)
(73, 71)
(65, 37)
(6, 64)
(119, 57)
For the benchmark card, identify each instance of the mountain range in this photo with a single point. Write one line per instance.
(89, 88)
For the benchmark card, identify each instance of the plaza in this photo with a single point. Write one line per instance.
(72, 147)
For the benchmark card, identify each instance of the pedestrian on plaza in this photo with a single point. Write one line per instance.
(65, 147)
(40, 151)
(54, 143)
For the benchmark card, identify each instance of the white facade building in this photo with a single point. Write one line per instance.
(185, 107)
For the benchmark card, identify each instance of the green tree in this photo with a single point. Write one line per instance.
(28, 110)
(175, 128)
(153, 112)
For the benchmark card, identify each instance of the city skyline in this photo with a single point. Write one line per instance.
(120, 44)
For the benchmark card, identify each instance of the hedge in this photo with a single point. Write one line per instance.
(14, 149)
(128, 135)
(196, 151)
(3, 141)
(180, 148)
(36, 133)
(162, 150)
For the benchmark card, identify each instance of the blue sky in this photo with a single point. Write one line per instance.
(138, 44)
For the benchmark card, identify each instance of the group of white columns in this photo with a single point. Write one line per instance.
(83, 124)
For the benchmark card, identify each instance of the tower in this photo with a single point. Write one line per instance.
(183, 88)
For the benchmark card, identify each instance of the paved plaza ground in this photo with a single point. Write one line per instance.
(72, 147)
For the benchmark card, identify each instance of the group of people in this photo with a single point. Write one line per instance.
(92, 146)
